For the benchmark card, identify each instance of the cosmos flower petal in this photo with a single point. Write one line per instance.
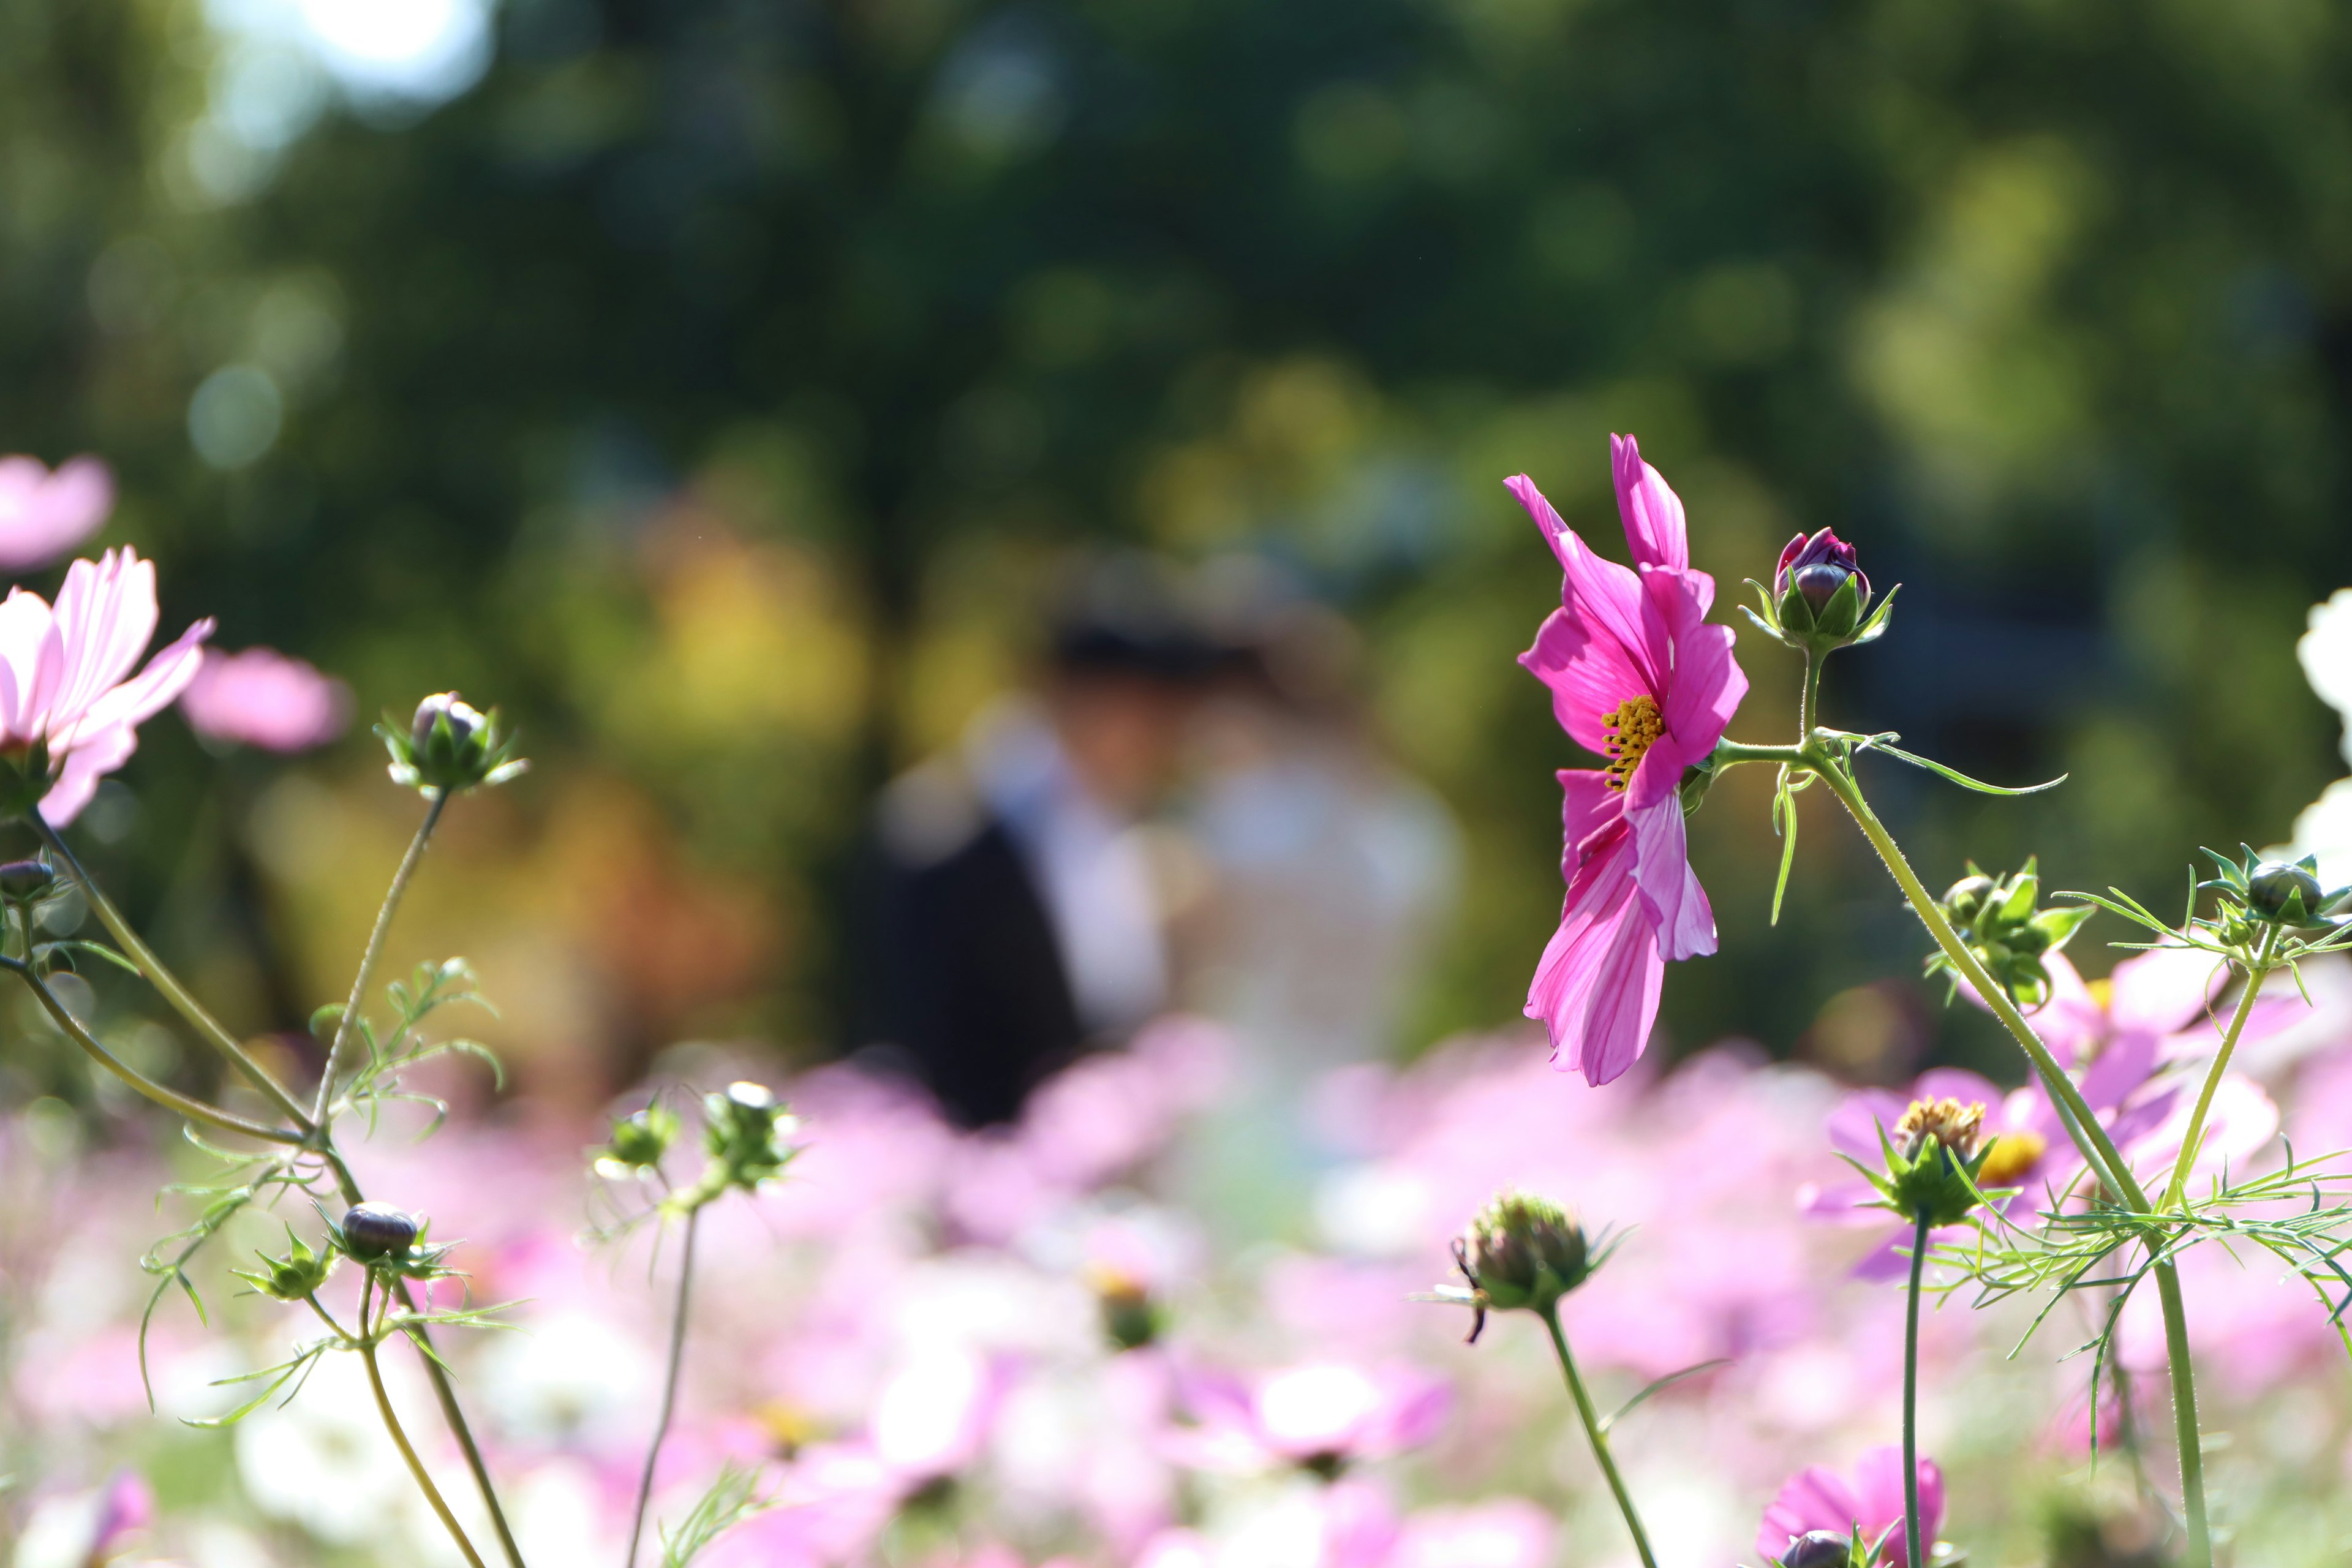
(1652, 512)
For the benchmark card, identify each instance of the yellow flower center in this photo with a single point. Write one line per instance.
(1946, 1121)
(1634, 726)
(2012, 1154)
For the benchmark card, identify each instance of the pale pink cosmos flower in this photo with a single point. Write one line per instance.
(45, 514)
(1322, 1415)
(1817, 1498)
(1637, 674)
(1502, 1532)
(65, 674)
(263, 698)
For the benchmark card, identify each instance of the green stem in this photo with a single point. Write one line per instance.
(374, 951)
(1912, 1524)
(2105, 1160)
(1809, 699)
(1600, 1436)
(194, 1110)
(445, 1391)
(400, 1438)
(181, 999)
(669, 1382)
(2097, 1148)
(2184, 1417)
(2177, 1189)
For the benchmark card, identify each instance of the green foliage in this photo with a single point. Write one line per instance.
(733, 1497)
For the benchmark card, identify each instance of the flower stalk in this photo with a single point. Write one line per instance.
(669, 1382)
(374, 951)
(2176, 1191)
(367, 1348)
(1598, 1432)
(1911, 1516)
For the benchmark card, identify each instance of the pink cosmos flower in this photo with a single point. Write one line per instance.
(1638, 675)
(1817, 1498)
(1325, 1414)
(63, 674)
(45, 514)
(262, 698)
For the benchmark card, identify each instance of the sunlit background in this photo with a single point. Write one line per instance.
(721, 387)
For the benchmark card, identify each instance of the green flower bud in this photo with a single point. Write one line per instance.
(1523, 1252)
(449, 746)
(2278, 890)
(374, 1232)
(747, 1135)
(1964, 897)
(639, 1141)
(295, 1277)
(25, 880)
(1820, 600)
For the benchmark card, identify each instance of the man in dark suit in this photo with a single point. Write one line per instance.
(1014, 920)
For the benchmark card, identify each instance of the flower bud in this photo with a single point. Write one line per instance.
(639, 1141)
(1818, 1549)
(449, 746)
(1523, 1252)
(746, 1132)
(22, 880)
(2275, 889)
(465, 721)
(373, 1232)
(1820, 600)
(293, 1277)
(1964, 897)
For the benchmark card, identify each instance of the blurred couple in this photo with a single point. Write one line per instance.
(1185, 808)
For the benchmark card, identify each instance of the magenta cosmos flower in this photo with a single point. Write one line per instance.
(1817, 1498)
(65, 686)
(262, 698)
(1637, 675)
(45, 514)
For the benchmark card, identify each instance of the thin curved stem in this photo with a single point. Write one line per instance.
(167, 984)
(400, 1437)
(669, 1382)
(1599, 1437)
(445, 1391)
(1808, 696)
(2097, 1148)
(374, 951)
(194, 1110)
(2176, 1191)
(1912, 1524)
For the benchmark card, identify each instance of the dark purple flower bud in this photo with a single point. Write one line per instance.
(1818, 1549)
(1817, 566)
(375, 1231)
(26, 878)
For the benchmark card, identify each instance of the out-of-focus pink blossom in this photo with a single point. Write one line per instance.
(124, 1511)
(45, 514)
(932, 1416)
(262, 698)
(1504, 1533)
(65, 674)
(1637, 674)
(1818, 1498)
(1322, 1413)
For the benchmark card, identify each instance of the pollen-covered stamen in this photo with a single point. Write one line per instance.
(1946, 1121)
(1634, 726)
